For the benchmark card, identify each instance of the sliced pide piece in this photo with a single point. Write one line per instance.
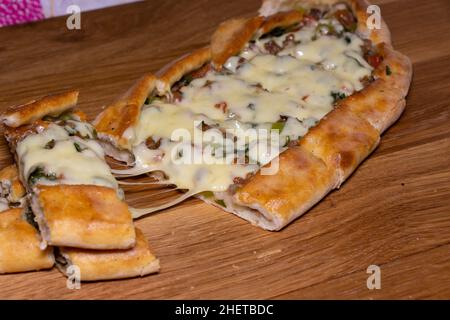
(64, 171)
(177, 69)
(83, 216)
(112, 264)
(272, 201)
(37, 109)
(231, 37)
(342, 140)
(20, 244)
(11, 189)
(116, 123)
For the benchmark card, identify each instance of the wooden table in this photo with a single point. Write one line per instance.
(394, 212)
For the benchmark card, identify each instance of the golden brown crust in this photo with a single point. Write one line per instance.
(382, 102)
(83, 216)
(124, 114)
(113, 264)
(173, 72)
(50, 105)
(377, 36)
(231, 37)
(15, 135)
(301, 181)
(19, 245)
(342, 140)
(281, 20)
(9, 178)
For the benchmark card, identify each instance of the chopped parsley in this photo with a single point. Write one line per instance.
(149, 100)
(388, 70)
(276, 32)
(78, 147)
(38, 174)
(50, 145)
(221, 203)
(278, 126)
(207, 194)
(29, 217)
(338, 96)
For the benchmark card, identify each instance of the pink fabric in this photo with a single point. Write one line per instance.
(19, 11)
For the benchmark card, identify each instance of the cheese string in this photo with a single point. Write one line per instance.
(139, 212)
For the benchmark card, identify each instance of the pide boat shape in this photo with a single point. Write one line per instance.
(309, 69)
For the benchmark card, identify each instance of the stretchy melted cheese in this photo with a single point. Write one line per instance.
(64, 158)
(299, 84)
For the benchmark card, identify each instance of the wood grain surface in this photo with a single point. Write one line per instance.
(394, 212)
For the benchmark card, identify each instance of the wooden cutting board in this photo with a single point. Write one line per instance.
(394, 212)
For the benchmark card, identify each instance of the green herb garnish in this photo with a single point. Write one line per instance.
(221, 203)
(50, 144)
(38, 174)
(65, 116)
(149, 100)
(29, 217)
(338, 96)
(78, 147)
(388, 71)
(207, 194)
(278, 126)
(71, 131)
(278, 31)
(288, 139)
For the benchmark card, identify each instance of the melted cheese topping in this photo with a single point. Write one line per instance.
(64, 158)
(299, 83)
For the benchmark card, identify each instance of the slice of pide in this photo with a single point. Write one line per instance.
(312, 71)
(96, 265)
(19, 239)
(37, 109)
(20, 244)
(12, 192)
(75, 198)
(85, 216)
